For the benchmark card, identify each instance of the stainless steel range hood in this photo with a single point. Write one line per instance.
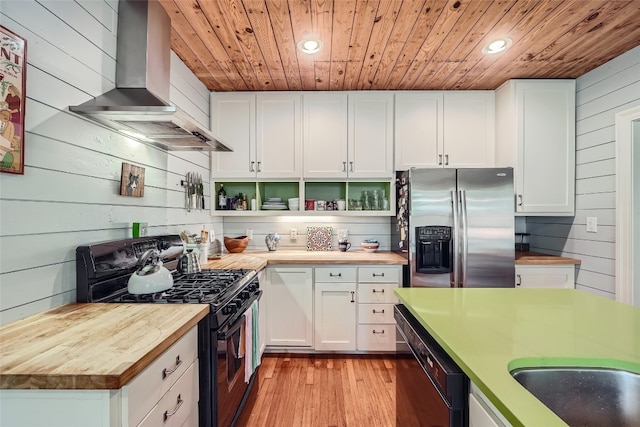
(138, 107)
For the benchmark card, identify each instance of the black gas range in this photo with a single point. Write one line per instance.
(103, 271)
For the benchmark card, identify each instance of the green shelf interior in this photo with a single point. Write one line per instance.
(356, 189)
(283, 190)
(233, 189)
(325, 190)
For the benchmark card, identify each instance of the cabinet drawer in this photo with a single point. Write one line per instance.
(148, 387)
(375, 313)
(179, 403)
(379, 274)
(376, 293)
(377, 337)
(335, 274)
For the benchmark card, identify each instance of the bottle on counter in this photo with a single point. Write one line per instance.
(244, 202)
(222, 198)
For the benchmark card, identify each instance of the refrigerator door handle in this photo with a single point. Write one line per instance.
(465, 245)
(456, 241)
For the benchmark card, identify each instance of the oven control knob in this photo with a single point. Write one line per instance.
(244, 295)
(237, 302)
(252, 287)
(229, 308)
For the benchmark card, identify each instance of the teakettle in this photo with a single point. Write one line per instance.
(151, 276)
(189, 262)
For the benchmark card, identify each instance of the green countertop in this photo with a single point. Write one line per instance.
(490, 331)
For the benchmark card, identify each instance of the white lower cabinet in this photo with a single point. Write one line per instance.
(545, 276)
(376, 325)
(482, 413)
(165, 393)
(288, 292)
(335, 309)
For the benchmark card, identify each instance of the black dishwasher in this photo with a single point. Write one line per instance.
(431, 390)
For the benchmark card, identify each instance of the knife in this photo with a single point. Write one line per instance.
(188, 192)
(201, 191)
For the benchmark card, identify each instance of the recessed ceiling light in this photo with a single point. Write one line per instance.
(497, 46)
(310, 45)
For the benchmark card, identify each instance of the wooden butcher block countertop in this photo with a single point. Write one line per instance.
(534, 258)
(257, 260)
(90, 346)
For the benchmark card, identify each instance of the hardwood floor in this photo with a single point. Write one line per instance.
(323, 390)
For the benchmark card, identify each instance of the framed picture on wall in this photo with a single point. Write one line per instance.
(132, 180)
(13, 51)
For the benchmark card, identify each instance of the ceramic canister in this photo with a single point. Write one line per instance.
(272, 240)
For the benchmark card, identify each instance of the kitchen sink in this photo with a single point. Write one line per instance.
(584, 396)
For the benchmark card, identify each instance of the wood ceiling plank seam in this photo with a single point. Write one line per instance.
(419, 69)
(259, 22)
(300, 13)
(322, 26)
(492, 67)
(280, 23)
(210, 24)
(600, 50)
(363, 21)
(195, 52)
(241, 41)
(343, 17)
(425, 23)
(445, 58)
(201, 28)
(477, 37)
(610, 14)
(382, 29)
(404, 26)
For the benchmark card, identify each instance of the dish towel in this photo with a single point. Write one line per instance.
(252, 341)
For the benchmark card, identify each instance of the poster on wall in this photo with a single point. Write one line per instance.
(12, 99)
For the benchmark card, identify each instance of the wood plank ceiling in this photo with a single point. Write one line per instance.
(239, 45)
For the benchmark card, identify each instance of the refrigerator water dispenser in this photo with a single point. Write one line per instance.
(434, 249)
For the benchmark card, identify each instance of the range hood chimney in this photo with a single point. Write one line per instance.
(138, 107)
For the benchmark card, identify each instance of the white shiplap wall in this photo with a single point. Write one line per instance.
(359, 228)
(69, 193)
(601, 93)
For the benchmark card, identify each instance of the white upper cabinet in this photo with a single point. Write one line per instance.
(264, 131)
(536, 135)
(233, 120)
(418, 129)
(435, 129)
(348, 135)
(370, 135)
(469, 129)
(325, 134)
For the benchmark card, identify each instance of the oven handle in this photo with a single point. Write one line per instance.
(236, 321)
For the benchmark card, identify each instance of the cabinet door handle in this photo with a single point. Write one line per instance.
(350, 166)
(446, 160)
(344, 166)
(251, 168)
(440, 159)
(378, 275)
(378, 312)
(335, 275)
(353, 296)
(168, 414)
(259, 167)
(376, 332)
(166, 372)
(519, 199)
(518, 280)
(378, 292)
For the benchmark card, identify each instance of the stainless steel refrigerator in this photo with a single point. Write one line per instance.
(456, 227)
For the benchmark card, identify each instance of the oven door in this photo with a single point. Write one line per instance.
(232, 357)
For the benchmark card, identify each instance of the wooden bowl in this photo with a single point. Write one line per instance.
(236, 245)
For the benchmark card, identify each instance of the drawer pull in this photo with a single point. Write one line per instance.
(168, 414)
(166, 372)
(335, 275)
(378, 312)
(352, 296)
(378, 275)
(378, 292)
(376, 332)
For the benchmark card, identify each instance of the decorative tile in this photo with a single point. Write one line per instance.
(319, 238)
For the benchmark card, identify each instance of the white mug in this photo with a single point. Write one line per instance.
(341, 204)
